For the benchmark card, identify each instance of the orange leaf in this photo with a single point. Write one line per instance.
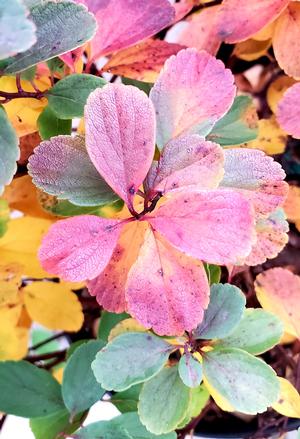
(143, 61)
(22, 195)
(292, 204)
(27, 145)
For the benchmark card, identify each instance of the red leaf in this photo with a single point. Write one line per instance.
(143, 61)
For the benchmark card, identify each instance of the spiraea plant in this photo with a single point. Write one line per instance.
(141, 211)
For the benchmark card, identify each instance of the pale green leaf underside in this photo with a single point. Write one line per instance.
(17, 33)
(9, 150)
(60, 27)
(190, 370)
(225, 310)
(130, 359)
(257, 332)
(61, 167)
(164, 401)
(247, 383)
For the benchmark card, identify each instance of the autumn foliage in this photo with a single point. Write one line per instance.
(149, 170)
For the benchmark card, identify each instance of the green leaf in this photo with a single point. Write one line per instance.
(190, 370)
(214, 274)
(108, 321)
(247, 383)
(127, 400)
(164, 401)
(68, 96)
(80, 390)
(102, 430)
(60, 27)
(74, 346)
(49, 125)
(4, 216)
(72, 175)
(144, 86)
(56, 65)
(28, 391)
(225, 310)
(50, 426)
(199, 399)
(40, 335)
(9, 150)
(238, 126)
(124, 426)
(257, 332)
(65, 208)
(17, 33)
(130, 359)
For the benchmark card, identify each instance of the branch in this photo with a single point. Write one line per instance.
(47, 340)
(48, 356)
(21, 94)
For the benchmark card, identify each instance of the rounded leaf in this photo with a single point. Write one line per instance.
(129, 359)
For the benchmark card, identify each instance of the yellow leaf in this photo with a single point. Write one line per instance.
(13, 342)
(219, 399)
(288, 403)
(271, 138)
(287, 338)
(277, 89)
(21, 242)
(10, 314)
(127, 325)
(24, 112)
(277, 290)
(24, 319)
(10, 279)
(53, 305)
(22, 195)
(265, 33)
(251, 49)
(59, 373)
(81, 127)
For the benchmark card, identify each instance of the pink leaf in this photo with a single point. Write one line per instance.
(271, 238)
(70, 58)
(239, 20)
(120, 130)
(189, 162)
(123, 23)
(216, 226)
(288, 111)
(192, 92)
(199, 30)
(79, 248)
(286, 40)
(109, 286)
(183, 7)
(257, 176)
(166, 290)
